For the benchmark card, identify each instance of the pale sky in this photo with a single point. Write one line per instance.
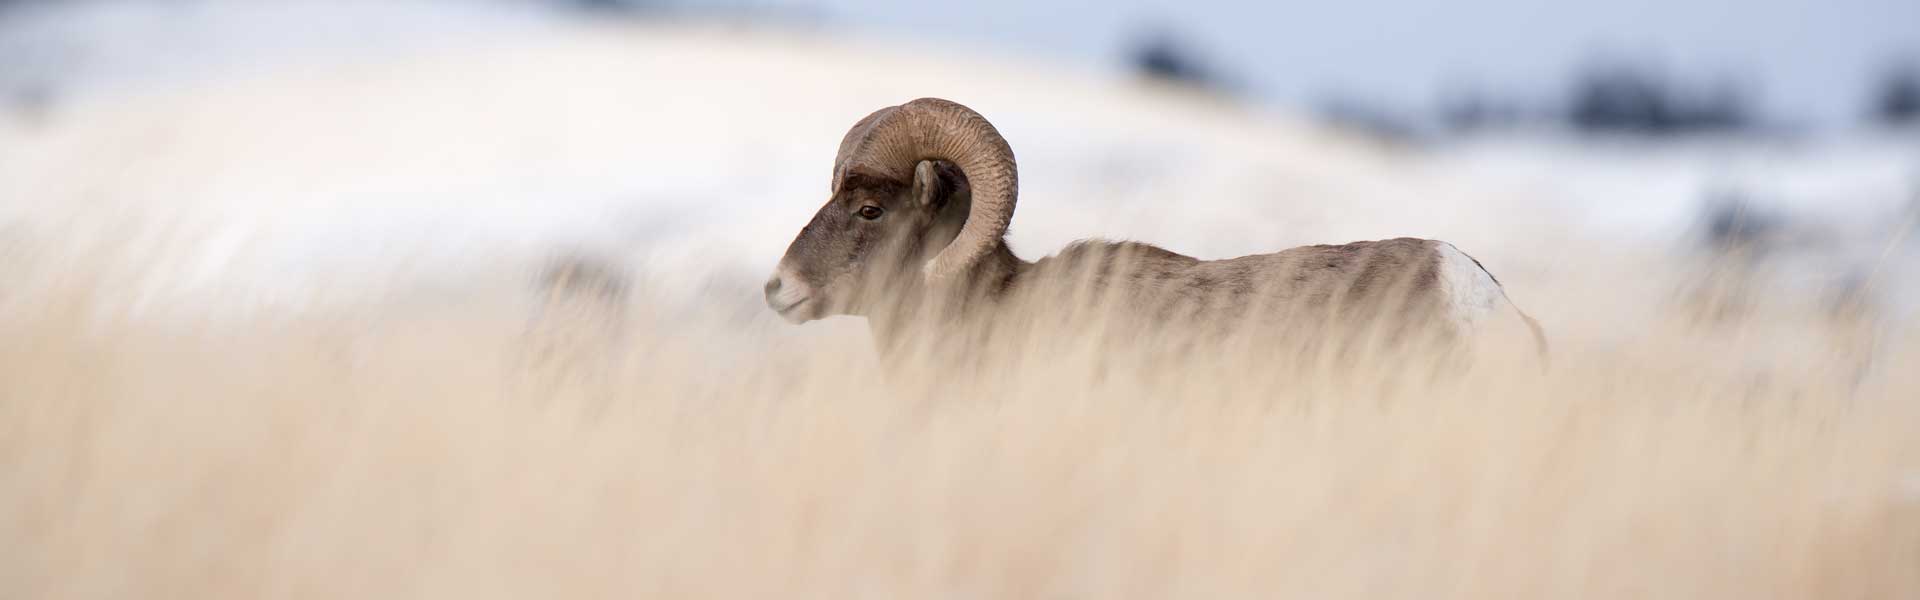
(1811, 60)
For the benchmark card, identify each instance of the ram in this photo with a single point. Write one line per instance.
(912, 237)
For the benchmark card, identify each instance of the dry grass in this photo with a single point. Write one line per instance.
(495, 448)
(1700, 437)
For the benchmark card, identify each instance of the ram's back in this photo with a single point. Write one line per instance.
(1392, 291)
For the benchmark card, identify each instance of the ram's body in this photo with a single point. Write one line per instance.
(912, 238)
(1412, 279)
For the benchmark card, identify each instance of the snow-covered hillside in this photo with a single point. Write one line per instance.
(279, 155)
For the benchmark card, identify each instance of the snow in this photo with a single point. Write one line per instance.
(277, 156)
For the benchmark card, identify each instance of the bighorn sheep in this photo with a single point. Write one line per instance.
(922, 195)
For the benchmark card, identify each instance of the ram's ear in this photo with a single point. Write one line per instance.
(926, 185)
(936, 183)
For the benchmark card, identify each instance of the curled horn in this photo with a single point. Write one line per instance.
(890, 142)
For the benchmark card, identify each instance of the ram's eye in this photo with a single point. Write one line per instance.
(870, 212)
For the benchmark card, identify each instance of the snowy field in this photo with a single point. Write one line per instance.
(271, 325)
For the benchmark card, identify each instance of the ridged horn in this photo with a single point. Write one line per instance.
(890, 142)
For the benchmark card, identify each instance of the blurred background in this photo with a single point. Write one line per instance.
(647, 130)
(277, 283)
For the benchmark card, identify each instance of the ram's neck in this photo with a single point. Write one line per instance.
(997, 271)
(971, 304)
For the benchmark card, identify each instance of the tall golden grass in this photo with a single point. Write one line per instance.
(493, 445)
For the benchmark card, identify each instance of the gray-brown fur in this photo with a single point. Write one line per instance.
(1377, 292)
(902, 198)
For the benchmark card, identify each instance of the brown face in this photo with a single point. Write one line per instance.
(869, 239)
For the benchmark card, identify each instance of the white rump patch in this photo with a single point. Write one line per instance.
(1471, 293)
